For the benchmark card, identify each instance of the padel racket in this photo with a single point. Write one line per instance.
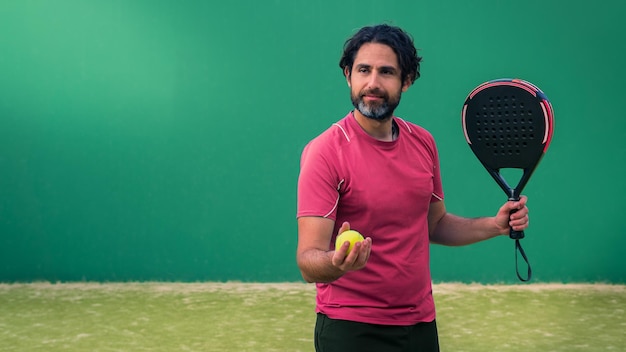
(508, 124)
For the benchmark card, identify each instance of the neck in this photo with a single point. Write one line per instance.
(381, 130)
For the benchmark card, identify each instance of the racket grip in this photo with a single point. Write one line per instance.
(515, 235)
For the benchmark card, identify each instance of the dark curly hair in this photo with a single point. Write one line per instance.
(397, 39)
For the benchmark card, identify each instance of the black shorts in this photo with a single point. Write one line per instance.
(332, 335)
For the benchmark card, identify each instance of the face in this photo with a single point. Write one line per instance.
(375, 81)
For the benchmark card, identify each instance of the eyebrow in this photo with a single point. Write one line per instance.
(387, 68)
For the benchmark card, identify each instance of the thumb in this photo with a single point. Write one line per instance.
(513, 205)
(344, 227)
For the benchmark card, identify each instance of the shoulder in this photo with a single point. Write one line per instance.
(415, 131)
(334, 138)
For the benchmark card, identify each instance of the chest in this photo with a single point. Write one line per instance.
(394, 180)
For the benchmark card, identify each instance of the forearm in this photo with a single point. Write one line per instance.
(454, 230)
(316, 266)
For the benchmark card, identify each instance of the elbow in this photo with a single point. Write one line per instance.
(307, 278)
(303, 272)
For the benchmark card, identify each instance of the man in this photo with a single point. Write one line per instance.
(379, 174)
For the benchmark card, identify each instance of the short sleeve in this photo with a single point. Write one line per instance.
(318, 182)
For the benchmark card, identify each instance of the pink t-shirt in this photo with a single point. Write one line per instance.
(384, 190)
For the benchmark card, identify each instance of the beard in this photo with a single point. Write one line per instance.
(373, 110)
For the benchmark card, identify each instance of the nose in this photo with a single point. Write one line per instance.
(373, 80)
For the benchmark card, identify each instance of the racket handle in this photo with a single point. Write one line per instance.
(516, 235)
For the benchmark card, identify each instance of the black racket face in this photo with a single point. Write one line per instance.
(507, 123)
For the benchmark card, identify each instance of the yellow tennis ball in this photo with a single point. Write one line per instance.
(351, 236)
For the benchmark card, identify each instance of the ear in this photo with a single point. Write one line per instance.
(346, 72)
(406, 84)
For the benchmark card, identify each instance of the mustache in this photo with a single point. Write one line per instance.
(375, 92)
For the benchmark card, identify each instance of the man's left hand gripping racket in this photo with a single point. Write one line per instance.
(508, 123)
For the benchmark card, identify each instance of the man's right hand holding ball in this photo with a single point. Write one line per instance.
(353, 252)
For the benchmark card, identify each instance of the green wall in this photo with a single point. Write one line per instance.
(160, 140)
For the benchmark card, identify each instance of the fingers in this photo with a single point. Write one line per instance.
(514, 205)
(359, 255)
(518, 218)
(518, 222)
(341, 252)
(362, 252)
(356, 259)
(512, 215)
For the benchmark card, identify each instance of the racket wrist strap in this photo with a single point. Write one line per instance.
(520, 250)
